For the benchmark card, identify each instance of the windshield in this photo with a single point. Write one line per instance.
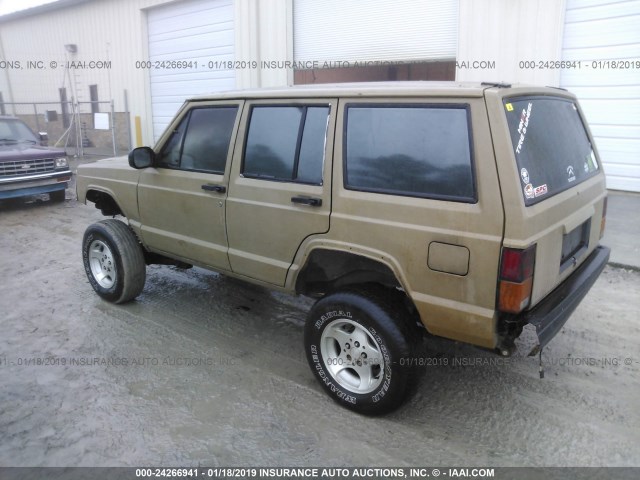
(551, 145)
(12, 130)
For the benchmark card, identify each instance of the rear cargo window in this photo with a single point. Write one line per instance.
(551, 145)
(410, 150)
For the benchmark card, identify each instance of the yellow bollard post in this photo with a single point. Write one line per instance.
(138, 131)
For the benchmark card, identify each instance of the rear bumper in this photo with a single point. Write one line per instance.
(551, 314)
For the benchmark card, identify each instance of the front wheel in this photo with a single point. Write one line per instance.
(357, 344)
(113, 261)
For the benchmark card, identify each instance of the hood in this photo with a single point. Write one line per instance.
(28, 151)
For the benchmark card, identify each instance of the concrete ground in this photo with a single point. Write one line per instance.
(203, 369)
(206, 370)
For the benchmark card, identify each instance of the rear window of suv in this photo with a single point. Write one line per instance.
(551, 145)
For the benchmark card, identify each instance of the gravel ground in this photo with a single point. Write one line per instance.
(207, 370)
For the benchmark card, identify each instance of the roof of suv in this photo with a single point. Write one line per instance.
(367, 89)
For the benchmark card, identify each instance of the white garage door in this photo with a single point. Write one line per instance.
(599, 33)
(369, 30)
(197, 31)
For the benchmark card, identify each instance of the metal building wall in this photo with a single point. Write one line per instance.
(605, 36)
(263, 33)
(502, 31)
(335, 31)
(116, 31)
(197, 35)
(507, 32)
(111, 30)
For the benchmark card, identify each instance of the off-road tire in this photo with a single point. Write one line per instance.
(378, 315)
(113, 261)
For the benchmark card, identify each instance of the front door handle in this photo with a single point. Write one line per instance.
(215, 188)
(313, 202)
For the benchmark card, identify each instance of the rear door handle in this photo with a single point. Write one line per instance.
(215, 188)
(314, 202)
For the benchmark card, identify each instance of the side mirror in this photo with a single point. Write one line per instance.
(141, 157)
(44, 138)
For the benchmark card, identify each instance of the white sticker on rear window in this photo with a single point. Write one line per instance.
(522, 126)
(524, 175)
(571, 176)
(590, 164)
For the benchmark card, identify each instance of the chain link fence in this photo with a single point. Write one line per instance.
(81, 128)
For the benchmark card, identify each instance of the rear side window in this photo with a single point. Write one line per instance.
(551, 146)
(411, 150)
(286, 143)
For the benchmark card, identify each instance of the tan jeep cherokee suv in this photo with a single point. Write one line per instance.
(470, 210)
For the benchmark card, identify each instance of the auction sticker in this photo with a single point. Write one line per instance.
(541, 190)
(528, 191)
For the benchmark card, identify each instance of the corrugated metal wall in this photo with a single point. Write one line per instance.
(113, 30)
(508, 32)
(604, 35)
(117, 31)
(363, 30)
(199, 35)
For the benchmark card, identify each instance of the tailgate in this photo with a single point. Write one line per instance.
(551, 179)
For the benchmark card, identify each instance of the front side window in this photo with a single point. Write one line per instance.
(201, 140)
(410, 150)
(551, 146)
(286, 143)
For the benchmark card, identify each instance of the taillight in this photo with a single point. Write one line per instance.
(603, 222)
(516, 279)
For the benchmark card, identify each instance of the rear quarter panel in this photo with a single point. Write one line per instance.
(413, 235)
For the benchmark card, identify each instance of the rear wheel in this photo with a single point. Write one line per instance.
(113, 261)
(358, 343)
